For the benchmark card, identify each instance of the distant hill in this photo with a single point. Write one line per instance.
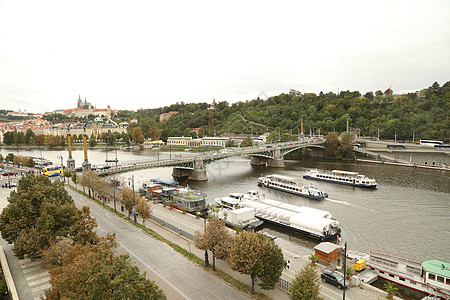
(425, 112)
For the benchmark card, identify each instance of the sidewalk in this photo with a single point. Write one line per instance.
(190, 224)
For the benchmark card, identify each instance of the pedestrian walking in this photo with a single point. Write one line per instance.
(288, 264)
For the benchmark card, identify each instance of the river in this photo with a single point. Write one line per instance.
(407, 215)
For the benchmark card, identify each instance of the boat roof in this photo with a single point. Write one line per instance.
(327, 247)
(344, 172)
(230, 200)
(438, 267)
(281, 177)
(163, 181)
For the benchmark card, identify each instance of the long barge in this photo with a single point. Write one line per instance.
(305, 221)
(343, 177)
(290, 185)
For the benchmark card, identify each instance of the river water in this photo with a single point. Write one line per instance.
(407, 215)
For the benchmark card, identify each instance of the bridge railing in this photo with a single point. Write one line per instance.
(205, 156)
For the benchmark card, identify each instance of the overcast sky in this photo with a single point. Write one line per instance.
(147, 54)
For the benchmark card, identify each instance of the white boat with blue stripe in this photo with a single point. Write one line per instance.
(288, 184)
(344, 177)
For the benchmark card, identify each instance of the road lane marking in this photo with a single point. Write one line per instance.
(156, 272)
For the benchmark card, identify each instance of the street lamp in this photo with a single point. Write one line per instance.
(134, 200)
(62, 167)
(204, 226)
(345, 267)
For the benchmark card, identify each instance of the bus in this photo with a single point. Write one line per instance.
(431, 142)
(52, 171)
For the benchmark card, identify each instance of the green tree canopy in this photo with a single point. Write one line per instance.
(216, 239)
(100, 273)
(332, 143)
(345, 149)
(255, 255)
(306, 284)
(38, 214)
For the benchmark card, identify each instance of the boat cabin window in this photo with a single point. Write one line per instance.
(412, 282)
(440, 279)
(402, 279)
(391, 275)
(431, 276)
(448, 281)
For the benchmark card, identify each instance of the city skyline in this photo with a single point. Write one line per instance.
(141, 54)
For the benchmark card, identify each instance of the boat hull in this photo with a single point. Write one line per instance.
(301, 232)
(371, 186)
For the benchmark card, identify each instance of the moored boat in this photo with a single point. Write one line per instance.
(344, 177)
(290, 185)
(169, 192)
(430, 276)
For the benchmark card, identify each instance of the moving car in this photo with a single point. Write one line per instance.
(334, 278)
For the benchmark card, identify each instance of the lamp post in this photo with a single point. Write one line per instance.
(345, 267)
(134, 200)
(62, 167)
(204, 226)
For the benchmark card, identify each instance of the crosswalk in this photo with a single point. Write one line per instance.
(37, 277)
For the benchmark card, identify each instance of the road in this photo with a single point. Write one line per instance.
(178, 277)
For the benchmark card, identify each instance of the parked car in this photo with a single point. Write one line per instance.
(6, 173)
(334, 278)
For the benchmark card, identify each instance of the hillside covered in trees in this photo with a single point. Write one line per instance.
(426, 113)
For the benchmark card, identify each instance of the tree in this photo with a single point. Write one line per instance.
(8, 138)
(154, 133)
(247, 142)
(39, 140)
(216, 239)
(306, 284)
(345, 149)
(10, 157)
(38, 214)
(143, 208)
(255, 255)
(126, 198)
(273, 137)
(29, 137)
(100, 273)
(89, 179)
(92, 141)
(332, 143)
(62, 141)
(137, 136)
(82, 230)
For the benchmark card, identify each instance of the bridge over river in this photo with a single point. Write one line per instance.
(194, 166)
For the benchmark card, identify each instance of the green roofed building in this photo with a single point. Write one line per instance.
(437, 273)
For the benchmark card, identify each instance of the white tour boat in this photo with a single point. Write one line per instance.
(431, 276)
(288, 184)
(344, 177)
